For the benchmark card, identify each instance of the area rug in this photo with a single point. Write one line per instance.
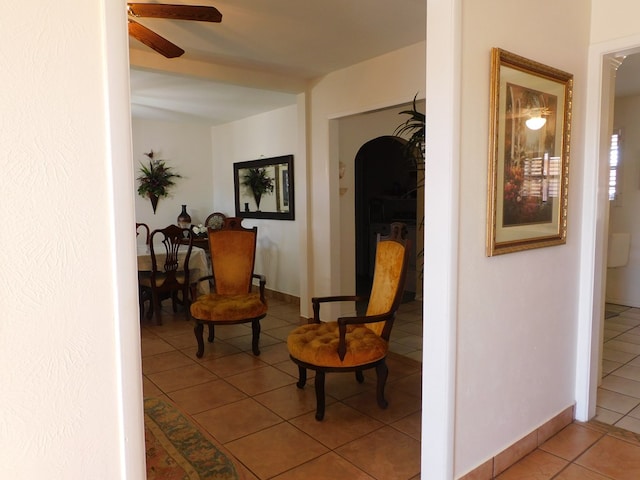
(178, 450)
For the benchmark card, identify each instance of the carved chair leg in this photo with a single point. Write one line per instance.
(255, 339)
(382, 372)
(319, 395)
(197, 330)
(302, 377)
(359, 376)
(212, 333)
(155, 300)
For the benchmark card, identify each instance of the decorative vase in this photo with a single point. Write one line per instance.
(246, 206)
(154, 202)
(184, 219)
(257, 197)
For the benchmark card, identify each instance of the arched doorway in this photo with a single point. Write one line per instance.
(385, 192)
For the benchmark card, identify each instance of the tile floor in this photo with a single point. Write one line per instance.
(253, 408)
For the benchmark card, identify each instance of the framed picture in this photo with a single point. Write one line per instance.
(264, 188)
(529, 132)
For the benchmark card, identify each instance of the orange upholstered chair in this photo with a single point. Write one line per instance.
(233, 250)
(354, 344)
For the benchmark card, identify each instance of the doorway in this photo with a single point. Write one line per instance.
(385, 192)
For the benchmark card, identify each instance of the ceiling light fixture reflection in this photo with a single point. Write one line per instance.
(535, 123)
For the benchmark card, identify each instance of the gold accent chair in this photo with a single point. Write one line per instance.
(169, 273)
(233, 250)
(354, 344)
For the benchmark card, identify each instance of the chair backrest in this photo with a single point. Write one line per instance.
(143, 229)
(215, 220)
(166, 246)
(233, 252)
(392, 253)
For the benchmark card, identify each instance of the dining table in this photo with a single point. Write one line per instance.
(198, 262)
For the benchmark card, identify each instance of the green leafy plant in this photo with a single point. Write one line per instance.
(414, 127)
(258, 182)
(156, 178)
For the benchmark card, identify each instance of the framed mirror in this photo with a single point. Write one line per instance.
(264, 188)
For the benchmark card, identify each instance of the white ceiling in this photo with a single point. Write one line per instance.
(262, 53)
(628, 76)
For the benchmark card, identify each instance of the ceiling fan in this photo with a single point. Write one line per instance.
(172, 12)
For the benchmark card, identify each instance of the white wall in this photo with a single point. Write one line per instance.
(267, 135)
(382, 82)
(353, 132)
(623, 282)
(186, 147)
(69, 342)
(516, 313)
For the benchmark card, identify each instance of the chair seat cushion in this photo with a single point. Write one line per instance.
(232, 308)
(317, 344)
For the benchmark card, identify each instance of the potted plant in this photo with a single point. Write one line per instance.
(259, 183)
(155, 180)
(414, 126)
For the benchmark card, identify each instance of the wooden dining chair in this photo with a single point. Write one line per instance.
(354, 344)
(170, 250)
(143, 229)
(233, 250)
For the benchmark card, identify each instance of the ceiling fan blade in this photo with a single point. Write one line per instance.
(153, 40)
(175, 12)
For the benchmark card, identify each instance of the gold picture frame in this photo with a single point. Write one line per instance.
(530, 128)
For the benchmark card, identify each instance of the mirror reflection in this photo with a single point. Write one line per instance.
(264, 188)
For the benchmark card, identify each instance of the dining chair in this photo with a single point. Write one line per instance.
(215, 220)
(170, 250)
(143, 228)
(355, 343)
(233, 300)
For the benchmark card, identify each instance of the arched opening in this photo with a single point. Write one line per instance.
(385, 192)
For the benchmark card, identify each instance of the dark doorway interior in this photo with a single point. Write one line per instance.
(385, 192)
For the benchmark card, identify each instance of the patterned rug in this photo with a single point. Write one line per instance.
(178, 450)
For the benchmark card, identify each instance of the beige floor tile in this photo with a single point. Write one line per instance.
(515, 452)
(385, 453)
(182, 377)
(616, 402)
(206, 396)
(276, 353)
(234, 420)
(275, 450)
(614, 458)
(244, 342)
(538, 465)
(631, 372)
(609, 366)
(614, 355)
(212, 350)
(625, 386)
(571, 441)
(343, 425)
(326, 467)
(623, 346)
(607, 416)
(260, 380)
(629, 423)
(149, 388)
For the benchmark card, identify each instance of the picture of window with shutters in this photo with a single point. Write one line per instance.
(529, 154)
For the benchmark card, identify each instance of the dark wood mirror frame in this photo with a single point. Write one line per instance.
(277, 203)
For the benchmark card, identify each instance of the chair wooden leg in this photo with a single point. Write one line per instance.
(155, 300)
(212, 333)
(197, 330)
(302, 377)
(319, 395)
(359, 376)
(382, 372)
(255, 339)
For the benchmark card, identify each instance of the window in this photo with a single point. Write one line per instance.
(615, 155)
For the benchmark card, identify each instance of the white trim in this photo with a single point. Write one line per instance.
(442, 211)
(599, 122)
